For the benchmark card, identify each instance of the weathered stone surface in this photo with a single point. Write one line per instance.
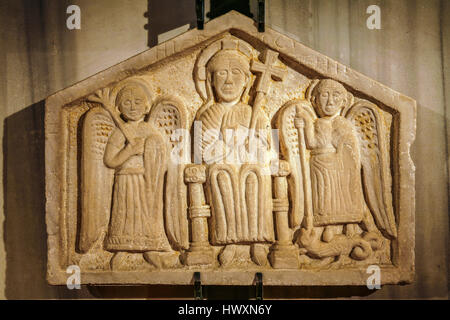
(166, 164)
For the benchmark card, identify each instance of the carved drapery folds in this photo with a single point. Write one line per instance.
(228, 159)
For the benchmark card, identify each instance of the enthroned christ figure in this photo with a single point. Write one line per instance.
(239, 182)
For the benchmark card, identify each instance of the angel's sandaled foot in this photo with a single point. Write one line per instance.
(96, 260)
(153, 258)
(328, 234)
(165, 260)
(170, 259)
(350, 230)
(126, 261)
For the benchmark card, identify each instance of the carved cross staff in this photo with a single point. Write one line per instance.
(267, 71)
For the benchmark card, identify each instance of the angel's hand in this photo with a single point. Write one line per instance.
(299, 123)
(137, 146)
(301, 117)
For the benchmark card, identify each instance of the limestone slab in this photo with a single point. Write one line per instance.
(230, 152)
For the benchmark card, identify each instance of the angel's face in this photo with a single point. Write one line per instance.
(330, 97)
(133, 103)
(229, 80)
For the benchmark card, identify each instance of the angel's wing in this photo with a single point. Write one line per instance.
(170, 117)
(369, 124)
(289, 147)
(96, 179)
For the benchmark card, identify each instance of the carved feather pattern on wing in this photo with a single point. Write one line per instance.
(167, 120)
(97, 180)
(365, 124)
(369, 127)
(101, 127)
(290, 132)
(289, 150)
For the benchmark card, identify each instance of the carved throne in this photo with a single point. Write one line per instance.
(283, 254)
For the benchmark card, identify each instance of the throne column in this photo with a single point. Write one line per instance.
(200, 251)
(283, 254)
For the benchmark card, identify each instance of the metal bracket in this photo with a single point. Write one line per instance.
(200, 9)
(261, 15)
(198, 293)
(259, 286)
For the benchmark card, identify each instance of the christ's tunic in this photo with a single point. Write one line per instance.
(238, 185)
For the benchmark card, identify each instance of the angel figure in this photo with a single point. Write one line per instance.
(346, 167)
(138, 152)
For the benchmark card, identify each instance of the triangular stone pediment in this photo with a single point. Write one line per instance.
(125, 211)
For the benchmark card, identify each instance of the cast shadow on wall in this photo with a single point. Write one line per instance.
(24, 196)
(167, 15)
(25, 235)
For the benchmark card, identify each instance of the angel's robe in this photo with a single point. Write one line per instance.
(239, 182)
(335, 166)
(136, 224)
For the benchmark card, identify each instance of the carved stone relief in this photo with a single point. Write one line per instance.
(232, 153)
